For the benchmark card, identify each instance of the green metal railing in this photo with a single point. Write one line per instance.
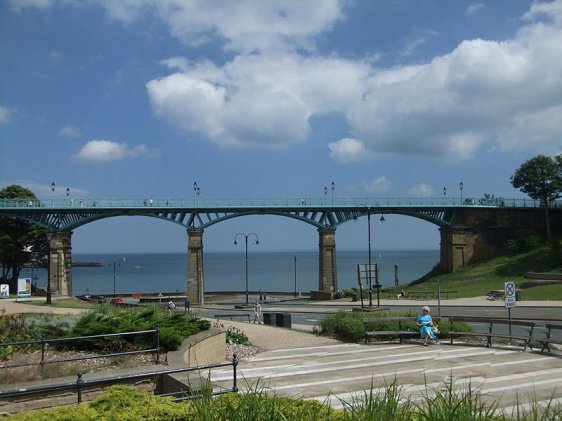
(403, 202)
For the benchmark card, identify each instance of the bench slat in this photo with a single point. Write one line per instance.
(491, 322)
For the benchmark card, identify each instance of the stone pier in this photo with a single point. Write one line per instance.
(328, 276)
(195, 279)
(60, 263)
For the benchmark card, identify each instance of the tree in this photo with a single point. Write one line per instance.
(19, 239)
(541, 178)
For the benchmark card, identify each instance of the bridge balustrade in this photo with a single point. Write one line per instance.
(274, 202)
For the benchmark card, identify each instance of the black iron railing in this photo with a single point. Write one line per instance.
(80, 383)
(43, 342)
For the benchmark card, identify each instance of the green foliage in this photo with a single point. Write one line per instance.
(121, 403)
(346, 293)
(262, 405)
(343, 325)
(22, 327)
(449, 403)
(17, 234)
(174, 326)
(382, 404)
(233, 334)
(236, 336)
(348, 326)
(540, 177)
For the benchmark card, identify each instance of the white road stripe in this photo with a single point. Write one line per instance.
(313, 368)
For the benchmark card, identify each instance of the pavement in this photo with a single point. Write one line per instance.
(295, 362)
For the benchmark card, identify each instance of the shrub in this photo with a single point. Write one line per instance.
(346, 293)
(343, 325)
(349, 326)
(174, 327)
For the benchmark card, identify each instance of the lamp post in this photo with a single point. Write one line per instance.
(246, 251)
(461, 186)
(196, 193)
(295, 260)
(333, 188)
(369, 277)
(68, 195)
(53, 194)
(115, 263)
(444, 194)
(325, 195)
(49, 238)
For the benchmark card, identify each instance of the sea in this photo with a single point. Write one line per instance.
(130, 273)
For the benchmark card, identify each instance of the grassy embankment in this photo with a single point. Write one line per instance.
(479, 278)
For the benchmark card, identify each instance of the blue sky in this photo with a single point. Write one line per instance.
(141, 98)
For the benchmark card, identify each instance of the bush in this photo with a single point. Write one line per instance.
(348, 326)
(174, 328)
(343, 325)
(346, 293)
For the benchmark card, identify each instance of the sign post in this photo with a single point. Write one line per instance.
(510, 300)
(24, 289)
(360, 285)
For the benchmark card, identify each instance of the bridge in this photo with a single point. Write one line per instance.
(470, 230)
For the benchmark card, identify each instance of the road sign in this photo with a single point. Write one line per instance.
(509, 295)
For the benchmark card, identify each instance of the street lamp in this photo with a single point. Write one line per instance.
(444, 194)
(461, 186)
(53, 191)
(246, 243)
(49, 238)
(196, 192)
(295, 258)
(115, 263)
(369, 240)
(68, 195)
(325, 194)
(333, 188)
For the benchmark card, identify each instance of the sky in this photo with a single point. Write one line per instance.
(398, 98)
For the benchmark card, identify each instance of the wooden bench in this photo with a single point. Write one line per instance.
(492, 325)
(401, 333)
(549, 339)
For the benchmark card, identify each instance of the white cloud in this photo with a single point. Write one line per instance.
(69, 131)
(411, 47)
(422, 190)
(378, 185)
(454, 106)
(6, 115)
(474, 8)
(474, 98)
(243, 25)
(254, 100)
(348, 150)
(106, 150)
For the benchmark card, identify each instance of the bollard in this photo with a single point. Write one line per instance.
(79, 387)
(234, 380)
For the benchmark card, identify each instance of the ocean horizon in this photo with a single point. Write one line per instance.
(225, 271)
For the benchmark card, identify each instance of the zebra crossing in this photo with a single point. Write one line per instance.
(341, 373)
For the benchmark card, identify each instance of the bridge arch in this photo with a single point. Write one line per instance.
(470, 230)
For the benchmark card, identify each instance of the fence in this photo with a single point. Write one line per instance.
(79, 385)
(44, 342)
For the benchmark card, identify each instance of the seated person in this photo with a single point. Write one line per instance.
(425, 323)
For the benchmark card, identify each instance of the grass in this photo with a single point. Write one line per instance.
(390, 403)
(479, 278)
(64, 303)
